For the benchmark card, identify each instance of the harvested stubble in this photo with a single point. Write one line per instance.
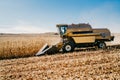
(22, 46)
(92, 65)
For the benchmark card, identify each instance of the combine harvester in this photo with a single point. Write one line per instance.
(77, 36)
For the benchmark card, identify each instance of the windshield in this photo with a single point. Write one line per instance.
(62, 30)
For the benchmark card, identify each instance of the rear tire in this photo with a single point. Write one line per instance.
(102, 45)
(68, 47)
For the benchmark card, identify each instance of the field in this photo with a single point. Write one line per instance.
(14, 46)
(82, 64)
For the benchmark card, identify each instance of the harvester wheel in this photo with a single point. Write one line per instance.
(102, 45)
(68, 47)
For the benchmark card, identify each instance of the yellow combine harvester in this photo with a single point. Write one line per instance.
(78, 35)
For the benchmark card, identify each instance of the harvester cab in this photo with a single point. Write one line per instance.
(62, 29)
(78, 35)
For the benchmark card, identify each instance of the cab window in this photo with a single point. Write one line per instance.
(63, 30)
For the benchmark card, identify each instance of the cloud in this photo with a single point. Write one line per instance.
(22, 29)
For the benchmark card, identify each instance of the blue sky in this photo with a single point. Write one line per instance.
(38, 16)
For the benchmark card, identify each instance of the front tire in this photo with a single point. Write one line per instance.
(68, 47)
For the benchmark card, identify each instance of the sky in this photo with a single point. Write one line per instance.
(39, 16)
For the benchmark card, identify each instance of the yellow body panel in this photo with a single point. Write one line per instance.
(82, 35)
(88, 39)
(59, 45)
(105, 33)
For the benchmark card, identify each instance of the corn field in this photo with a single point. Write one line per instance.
(23, 46)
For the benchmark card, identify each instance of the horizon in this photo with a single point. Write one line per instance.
(41, 16)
